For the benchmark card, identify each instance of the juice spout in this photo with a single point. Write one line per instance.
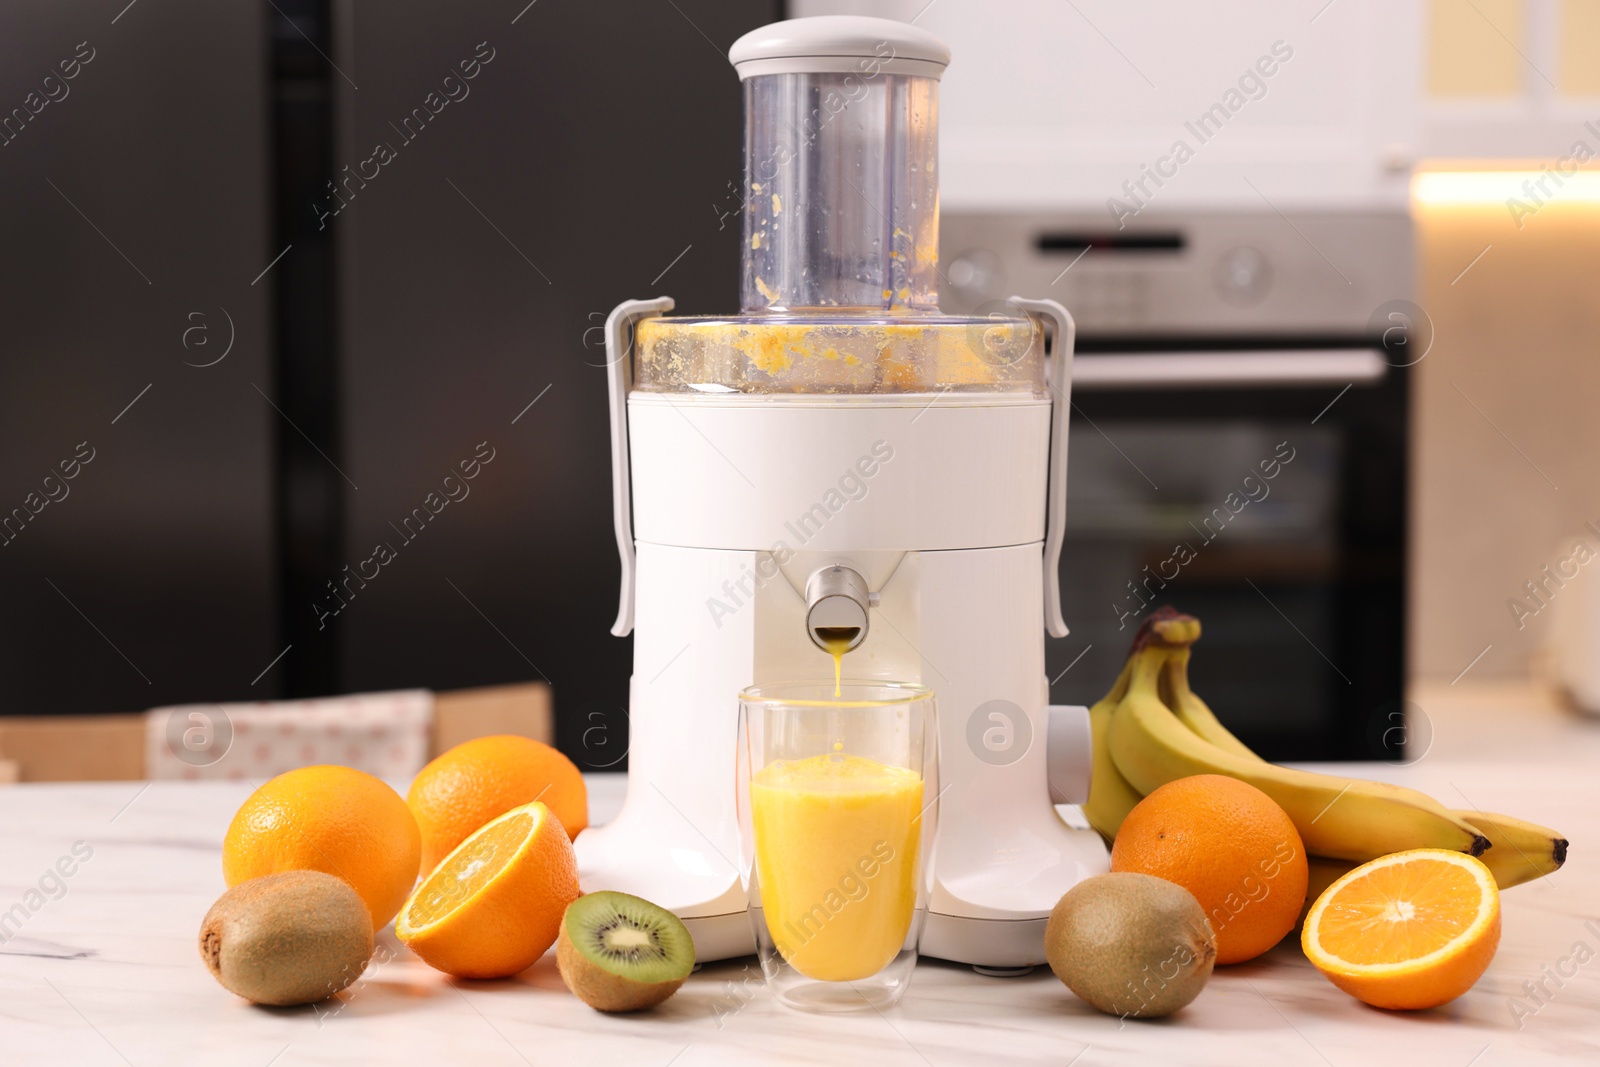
(836, 609)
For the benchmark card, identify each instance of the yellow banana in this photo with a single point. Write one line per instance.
(1110, 795)
(1341, 818)
(1192, 711)
(1522, 850)
(1180, 631)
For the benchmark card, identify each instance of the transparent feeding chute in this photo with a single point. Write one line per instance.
(840, 243)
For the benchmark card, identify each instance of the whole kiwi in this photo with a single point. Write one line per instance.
(289, 938)
(1131, 944)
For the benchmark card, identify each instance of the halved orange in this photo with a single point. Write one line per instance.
(493, 906)
(1409, 930)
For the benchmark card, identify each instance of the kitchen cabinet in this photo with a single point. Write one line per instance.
(136, 555)
(581, 166)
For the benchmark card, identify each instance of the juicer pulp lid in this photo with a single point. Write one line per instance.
(850, 44)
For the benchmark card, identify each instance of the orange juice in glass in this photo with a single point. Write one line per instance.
(837, 819)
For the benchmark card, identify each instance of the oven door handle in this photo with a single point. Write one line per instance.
(1222, 370)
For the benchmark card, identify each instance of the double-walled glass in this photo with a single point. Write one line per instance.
(837, 810)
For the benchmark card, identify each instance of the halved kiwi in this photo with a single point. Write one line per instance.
(622, 953)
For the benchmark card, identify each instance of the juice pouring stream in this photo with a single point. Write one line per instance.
(836, 640)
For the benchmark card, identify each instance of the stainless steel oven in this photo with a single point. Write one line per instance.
(1238, 449)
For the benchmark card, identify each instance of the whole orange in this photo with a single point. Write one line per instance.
(486, 777)
(1230, 845)
(337, 820)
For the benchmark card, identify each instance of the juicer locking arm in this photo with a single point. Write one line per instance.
(1058, 376)
(619, 378)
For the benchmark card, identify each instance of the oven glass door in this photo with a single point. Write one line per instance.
(1268, 501)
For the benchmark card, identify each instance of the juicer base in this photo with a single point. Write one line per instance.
(722, 937)
(994, 943)
(999, 948)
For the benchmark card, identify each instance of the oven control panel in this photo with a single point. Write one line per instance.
(1234, 274)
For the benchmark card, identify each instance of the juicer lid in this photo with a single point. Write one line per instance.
(851, 44)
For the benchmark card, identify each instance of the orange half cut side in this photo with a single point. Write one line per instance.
(494, 905)
(1410, 930)
(462, 875)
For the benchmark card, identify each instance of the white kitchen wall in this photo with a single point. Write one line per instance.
(1056, 105)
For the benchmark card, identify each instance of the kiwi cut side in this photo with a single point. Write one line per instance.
(622, 953)
(632, 937)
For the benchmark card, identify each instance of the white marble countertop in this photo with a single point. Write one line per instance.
(107, 971)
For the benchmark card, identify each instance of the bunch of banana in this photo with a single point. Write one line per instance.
(1152, 729)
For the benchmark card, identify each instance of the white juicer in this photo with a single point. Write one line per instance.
(841, 460)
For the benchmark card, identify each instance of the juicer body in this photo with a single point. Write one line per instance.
(939, 502)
